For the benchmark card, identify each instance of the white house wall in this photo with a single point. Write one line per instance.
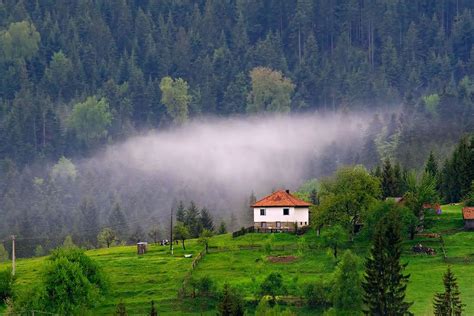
(275, 214)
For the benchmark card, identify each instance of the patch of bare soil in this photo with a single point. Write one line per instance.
(281, 259)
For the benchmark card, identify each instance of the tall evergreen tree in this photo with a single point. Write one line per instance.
(388, 179)
(191, 220)
(181, 212)
(384, 283)
(230, 304)
(431, 165)
(206, 220)
(118, 222)
(449, 302)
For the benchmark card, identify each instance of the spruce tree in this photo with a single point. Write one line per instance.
(118, 222)
(180, 212)
(431, 166)
(313, 197)
(206, 220)
(230, 304)
(222, 228)
(388, 179)
(191, 220)
(448, 303)
(384, 283)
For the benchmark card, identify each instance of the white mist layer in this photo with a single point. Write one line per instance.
(219, 162)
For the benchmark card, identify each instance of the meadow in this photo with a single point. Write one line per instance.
(245, 261)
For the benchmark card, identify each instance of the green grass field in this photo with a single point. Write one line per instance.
(243, 262)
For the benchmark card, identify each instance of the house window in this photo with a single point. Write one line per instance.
(262, 212)
(306, 223)
(301, 223)
(286, 211)
(278, 224)
(263, 224)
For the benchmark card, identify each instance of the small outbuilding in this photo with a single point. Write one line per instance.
(468, 216)
(142, 247)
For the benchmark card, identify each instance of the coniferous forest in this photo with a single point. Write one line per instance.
(76, 76)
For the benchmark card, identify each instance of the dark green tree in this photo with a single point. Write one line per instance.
(384, 283)
(431, 165)
(388, 180)
(231, 303)
(118, 222)
(449, 302)
(181, 212)
(222, 228)
(273, 286)
(206, 220)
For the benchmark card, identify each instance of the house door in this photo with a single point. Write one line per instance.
(278, 224)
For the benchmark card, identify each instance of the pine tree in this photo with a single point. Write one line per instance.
(222, 228)
(431, 166)
(252, 199)
(398, 178)
(448, 303)
(192, 221)
(313, 197)
(118, 222)
(388, 180)
(384, 282)
(206, 220)
(180, 212)
(230, 304)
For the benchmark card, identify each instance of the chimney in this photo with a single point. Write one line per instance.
(287, 191)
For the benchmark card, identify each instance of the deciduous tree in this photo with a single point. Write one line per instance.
(271, 92)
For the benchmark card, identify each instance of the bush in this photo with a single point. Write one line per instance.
(317, 294)
(88, 266)
(67, 289)
(273, 286)
(72, 283)
(205, 286)
(6, 284)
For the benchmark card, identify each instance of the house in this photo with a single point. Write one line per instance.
(468, 216)
(280, 211)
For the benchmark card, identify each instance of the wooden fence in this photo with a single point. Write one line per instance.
(187, 277)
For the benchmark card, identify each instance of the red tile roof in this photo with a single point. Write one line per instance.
(281, 198)
(468, 212)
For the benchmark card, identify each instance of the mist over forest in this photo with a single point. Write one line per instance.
(142, 104)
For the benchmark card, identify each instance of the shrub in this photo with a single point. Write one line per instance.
(273, 286)
(6, 284)
(66, 288)
(317, 294)
(88, 266)
(72, 283)
(205, 286)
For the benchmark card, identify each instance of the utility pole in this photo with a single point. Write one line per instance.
(171, 231)
(13, 255)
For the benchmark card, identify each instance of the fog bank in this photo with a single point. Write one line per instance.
(219, 162)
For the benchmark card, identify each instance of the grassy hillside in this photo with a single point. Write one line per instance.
(246, 260)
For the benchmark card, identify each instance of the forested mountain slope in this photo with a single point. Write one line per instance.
(338, 54)
(79, 77)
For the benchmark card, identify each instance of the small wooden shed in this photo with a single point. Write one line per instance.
(468, 216)
(142, 247)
